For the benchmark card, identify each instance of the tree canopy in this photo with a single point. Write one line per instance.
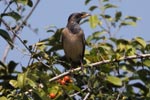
(114, 68)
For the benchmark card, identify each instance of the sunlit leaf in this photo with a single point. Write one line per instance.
(141, 41)
(25, 2)
(40, 94)
(94, 21)
(114, 80)
(98, 33)
(146, 62)
(3, 98)
(54, 89)
(14, 83)
(6, 36)
(31, 83)
(122, 44)
(21, 80)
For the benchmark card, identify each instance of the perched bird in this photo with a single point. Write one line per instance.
(73, 39)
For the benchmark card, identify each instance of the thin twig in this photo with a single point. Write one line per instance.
(9, 28)
(118, 96)
(72, 95)
(99, 63)
(105, 21)
(15, 31)
(27, 17)
(87, 95)
(7, 6)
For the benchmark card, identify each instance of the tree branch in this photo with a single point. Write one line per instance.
(27, 17)
(99, 63)
(87, 95)
(15, 31)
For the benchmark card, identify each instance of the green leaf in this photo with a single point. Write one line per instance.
(146, 62)
(12, 14)
(105, 0)
(114, 80)
(108, 5)
(3, 98)
(11, 66)
(3, 65)
(106, 16)
(22, 1)
(21, 80)
(133, 18)
(30, 3)
(122, 44)
(87, 1)
(141, 41)
(94, 21)
(92, 8)
(141, 87)
(13, 83)
(124, 23)
(118, 16)
(89, 38)
(25, 2)
(98, 33)
(31, 83)
(6, 36)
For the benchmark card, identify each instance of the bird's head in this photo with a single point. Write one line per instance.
(76, 17)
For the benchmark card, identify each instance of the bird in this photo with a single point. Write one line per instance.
(73, 39)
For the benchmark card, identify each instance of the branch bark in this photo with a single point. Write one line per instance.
(99, 63)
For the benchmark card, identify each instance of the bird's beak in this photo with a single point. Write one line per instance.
(85, 15)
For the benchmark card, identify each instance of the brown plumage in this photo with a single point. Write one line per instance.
(73, 39)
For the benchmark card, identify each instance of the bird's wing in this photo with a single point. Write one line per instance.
(62, 35)
(83, 41)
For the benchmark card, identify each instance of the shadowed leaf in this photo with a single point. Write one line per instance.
(133, 18)
(92, 8)
(6, 36)
(12, 14)
(108, 5)
(87, 1)
(118, 16)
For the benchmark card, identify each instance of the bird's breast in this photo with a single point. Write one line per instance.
(73, 46)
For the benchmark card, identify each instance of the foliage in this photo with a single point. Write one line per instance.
(118, 79)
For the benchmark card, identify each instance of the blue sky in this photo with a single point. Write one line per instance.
(56, 12)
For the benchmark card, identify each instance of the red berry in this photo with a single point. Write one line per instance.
(66, 78)
(59, 80)
(52, 95)
(62, 82)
